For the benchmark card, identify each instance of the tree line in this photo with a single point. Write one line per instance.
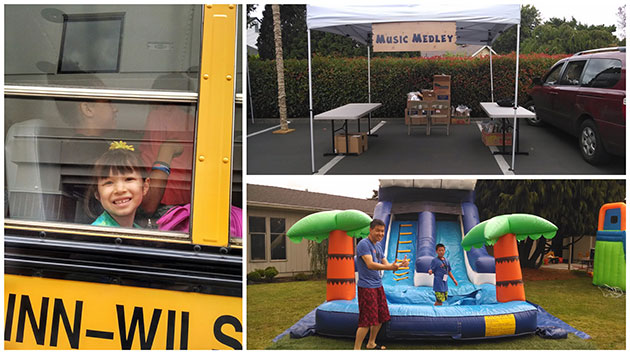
(572, 205)
(554, 36)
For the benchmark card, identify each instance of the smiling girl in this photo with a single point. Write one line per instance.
(119, 185)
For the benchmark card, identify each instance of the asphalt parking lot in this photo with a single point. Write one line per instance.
(393, 152)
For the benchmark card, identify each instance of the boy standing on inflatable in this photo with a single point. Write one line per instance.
(441, 270)
(373, 311)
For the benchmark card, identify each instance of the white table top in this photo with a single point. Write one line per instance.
(351, 111)
(495, 111)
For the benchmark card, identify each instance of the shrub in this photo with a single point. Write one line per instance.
(254, 276)
(270, 273)
(338, 81)
(301, 276)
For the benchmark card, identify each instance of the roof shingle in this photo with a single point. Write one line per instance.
(258, 195)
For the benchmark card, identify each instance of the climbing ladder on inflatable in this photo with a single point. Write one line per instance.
(401, 243)
(403, 248)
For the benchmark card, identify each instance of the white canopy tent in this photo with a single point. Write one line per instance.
(475, 24)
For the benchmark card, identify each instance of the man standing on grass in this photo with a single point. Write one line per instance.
(373, 311)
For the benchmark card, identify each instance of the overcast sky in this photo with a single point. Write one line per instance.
(348, 186)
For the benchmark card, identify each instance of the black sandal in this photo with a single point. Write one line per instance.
(377, 347)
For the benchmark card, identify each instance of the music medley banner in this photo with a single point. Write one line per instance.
(413, 36)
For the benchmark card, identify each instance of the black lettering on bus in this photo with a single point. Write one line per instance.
(8, 321)
(74, 332)
(183, 341)
(137, 319)
(222, 337)
(39, 329)
(170, 330)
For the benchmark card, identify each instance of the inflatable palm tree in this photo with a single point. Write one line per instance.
(503, 232)
(338, 227)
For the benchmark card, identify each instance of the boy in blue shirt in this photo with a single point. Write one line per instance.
(441, 270)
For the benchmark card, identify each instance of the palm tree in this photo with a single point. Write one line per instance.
(282, 97)
(338, 227)
(503, 232)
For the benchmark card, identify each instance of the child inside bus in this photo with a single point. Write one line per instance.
(168, 142)
(120, 184)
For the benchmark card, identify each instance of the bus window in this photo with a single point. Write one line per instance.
(50, 158)
(81, 77)
(132, 44)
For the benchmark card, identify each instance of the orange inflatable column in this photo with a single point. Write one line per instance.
(508, 270)
(340, 274)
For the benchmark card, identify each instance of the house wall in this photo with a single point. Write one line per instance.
(297, 257)
(483, 53)
(581, 249)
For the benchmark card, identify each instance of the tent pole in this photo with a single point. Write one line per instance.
(249, 88)
(369, 78)
(491, 78)
(514, 131)
(310, 100)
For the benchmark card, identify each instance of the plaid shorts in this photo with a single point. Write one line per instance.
(441, 296)
(372, 306)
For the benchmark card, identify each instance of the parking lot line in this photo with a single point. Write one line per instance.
(336, 159)
(266, 130)
(503, 165)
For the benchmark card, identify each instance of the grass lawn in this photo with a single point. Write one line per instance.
(272, 308)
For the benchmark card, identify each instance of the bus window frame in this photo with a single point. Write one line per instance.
(114, 16)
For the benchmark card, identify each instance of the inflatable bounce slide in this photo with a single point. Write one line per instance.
(419, 214)
(609, 264)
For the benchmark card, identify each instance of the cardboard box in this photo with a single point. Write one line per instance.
(418, 120)
(415, 117)
(417, 104)
(460, 117)
(357, 143)
(496, 139)
(443, 97)
(442, 84)
(440, 120)
(460, 120)
(428, 95)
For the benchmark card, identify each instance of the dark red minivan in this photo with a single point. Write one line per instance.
(585, 95)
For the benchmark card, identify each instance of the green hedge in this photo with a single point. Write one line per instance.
(338, 81)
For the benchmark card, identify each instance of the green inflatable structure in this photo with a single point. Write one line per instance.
(609, 264)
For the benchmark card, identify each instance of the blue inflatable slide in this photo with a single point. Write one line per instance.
(418, 217)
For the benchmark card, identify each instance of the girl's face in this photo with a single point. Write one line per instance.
(121, 195)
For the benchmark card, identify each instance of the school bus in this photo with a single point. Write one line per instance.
(166, 81)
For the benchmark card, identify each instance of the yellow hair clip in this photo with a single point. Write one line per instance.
(115, 145)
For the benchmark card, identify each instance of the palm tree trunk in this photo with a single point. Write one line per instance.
(508, 270)
(277, 35)
(340, 273)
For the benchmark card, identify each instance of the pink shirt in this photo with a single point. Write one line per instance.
(171, 123)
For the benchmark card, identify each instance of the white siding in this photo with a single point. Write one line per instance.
(298, 259)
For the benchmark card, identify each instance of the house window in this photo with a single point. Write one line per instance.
(278, 240)
(267, 239)
(257, 232)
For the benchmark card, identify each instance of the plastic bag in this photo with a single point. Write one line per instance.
(552, 332)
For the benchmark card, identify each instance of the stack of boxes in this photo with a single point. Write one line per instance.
(416, 112)
(357, 143)
(441, 112)
(435, 107)
(460, 117)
